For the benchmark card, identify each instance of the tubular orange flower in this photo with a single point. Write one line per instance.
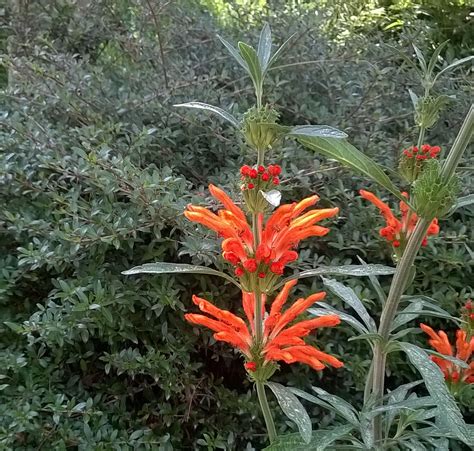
(279, 341)
(464, 349)
(282, 232)
(397, 232)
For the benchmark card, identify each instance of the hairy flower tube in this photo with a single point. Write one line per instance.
(280, 341)
(260, 266)
(453, 373)
(398, 231)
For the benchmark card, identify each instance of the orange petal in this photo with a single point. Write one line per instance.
(304, 204)
(382, 206)
(233, 339)
(248, 303)
(225, 200)
(313, 216)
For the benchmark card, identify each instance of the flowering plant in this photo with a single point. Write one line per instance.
(259, 242)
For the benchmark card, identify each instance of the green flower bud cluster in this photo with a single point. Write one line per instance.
(428, 109)
(260, 127)
(433, 195)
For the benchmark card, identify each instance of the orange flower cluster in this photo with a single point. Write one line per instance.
(464, 349)
(280, 342)
(397, 232)
(424, 153)
(278, 237)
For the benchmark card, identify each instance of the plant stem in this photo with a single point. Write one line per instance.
(403, 274)
(262, 397)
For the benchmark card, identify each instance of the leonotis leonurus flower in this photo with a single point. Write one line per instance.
(413, 159)
(278, 236)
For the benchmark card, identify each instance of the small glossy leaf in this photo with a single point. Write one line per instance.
(410, 313)
(204, 106)
(250, 57)
(264, 49)
(348, 295)
(177, 268)
(348, 155)
(293, 409)
(321, 131)
(234, 52)
(343, 270)
(450, 415)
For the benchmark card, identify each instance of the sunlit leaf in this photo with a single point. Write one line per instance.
(250, 57)
(234, 52)
(348, 155)
(280, 51)
(293, 409)
(322, 131)
(204, 106)
(177, 268)
(264, 49)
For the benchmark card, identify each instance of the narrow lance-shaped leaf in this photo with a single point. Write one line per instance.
(348, 155)
(250, 57)
(321, 131)
(450, 415)
(176, 268)
(265, 46)
(204, 106)
(348, 295)
(434, 57)
(453, 66)
(349, 319)
(280, 51)
(342, 407)
(293, 409)
(234, 52)
(343, 270)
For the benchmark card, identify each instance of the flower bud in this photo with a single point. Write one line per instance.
(413, 160)
(428, 109)
(260, 127)
(434, 196)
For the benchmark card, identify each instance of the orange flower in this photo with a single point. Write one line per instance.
(397, 232)
(280, 341)
(464, 349)
(282, 232)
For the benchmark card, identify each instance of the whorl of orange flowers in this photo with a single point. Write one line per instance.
(397, 231)
(463, 351)
(280, 341)
(277, 237)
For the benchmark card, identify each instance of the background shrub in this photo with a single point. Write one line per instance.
(97, 166)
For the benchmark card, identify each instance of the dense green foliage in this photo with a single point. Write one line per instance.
(97, 166)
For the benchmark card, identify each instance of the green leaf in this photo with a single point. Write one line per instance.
(177, 268)
(414, 98)
(349, 319)
(343, 270)
(348, 155)
(450, 415)
(204, 106)
(372, 337)
(321, 131)
(234, 52)
(293, 409)
(348, 295)
(462, 202)
(455, 360)
(280, 51)
(342, 407)
(421, 58)
(410, 313)
(250, 57)
(321, 440)
(434, 57)
(375, 283)
(410, 404)
(453, 66)
(264, 49)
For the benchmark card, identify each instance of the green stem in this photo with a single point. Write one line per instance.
(403, 274)
(262, 397)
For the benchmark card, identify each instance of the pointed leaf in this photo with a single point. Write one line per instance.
(450, 415)
(414, 98)
(434, 57)
(349, 319)
(342, 407)
(177, 268)
(453, 66)
(321, 131)
(293, 409)
(280, 51)
(265, 46)
(234, 52)
(250, 57)
(204, 106)
(375, 283)
(410, 313)
(421, 58)
(343, 270)
(348, 155)
(462, 202)
(348, 295)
